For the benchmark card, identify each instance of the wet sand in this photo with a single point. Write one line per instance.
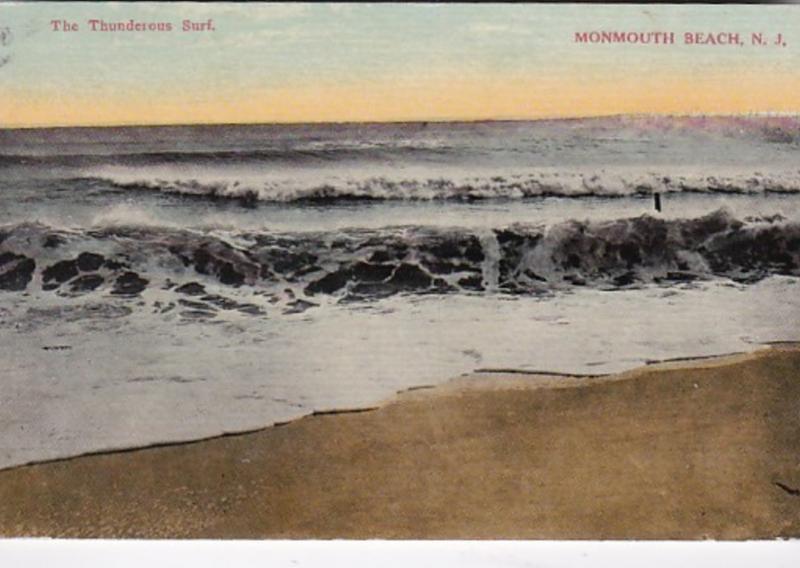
(688, 450)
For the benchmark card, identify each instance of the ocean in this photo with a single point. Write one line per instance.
(163, 284)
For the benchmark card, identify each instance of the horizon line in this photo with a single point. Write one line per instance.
(761, 114)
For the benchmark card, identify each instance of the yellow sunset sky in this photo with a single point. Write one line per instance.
(311, 63)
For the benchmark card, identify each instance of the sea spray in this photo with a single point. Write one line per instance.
(491, 261)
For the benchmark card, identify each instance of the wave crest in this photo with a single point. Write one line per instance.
(253, 189)
(367, 264)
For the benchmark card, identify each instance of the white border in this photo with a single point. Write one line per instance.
(44, 553)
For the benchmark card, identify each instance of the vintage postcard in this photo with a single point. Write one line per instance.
(399, 271)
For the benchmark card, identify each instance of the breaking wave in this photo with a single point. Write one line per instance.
(252, 189)
(295, 271)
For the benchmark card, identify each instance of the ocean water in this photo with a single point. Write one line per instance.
(172, 283)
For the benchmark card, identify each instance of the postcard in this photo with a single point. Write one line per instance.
(399, 271)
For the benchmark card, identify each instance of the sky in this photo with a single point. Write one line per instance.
(396, 62)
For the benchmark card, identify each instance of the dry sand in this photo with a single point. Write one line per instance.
(698, 449)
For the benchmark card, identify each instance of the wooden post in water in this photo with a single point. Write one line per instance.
(657, 199)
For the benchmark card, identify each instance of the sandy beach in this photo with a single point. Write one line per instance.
(695, 449)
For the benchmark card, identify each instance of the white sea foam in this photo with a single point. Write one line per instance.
(439, 183)
(136, 379)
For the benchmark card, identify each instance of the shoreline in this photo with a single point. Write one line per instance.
(484, 378)
(691, 448)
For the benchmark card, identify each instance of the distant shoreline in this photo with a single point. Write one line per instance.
(439, 121)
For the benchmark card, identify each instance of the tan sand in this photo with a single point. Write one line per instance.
(703, 449)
